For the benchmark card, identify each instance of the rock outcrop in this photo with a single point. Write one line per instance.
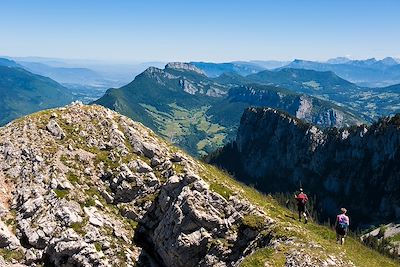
(356, 167)
(386, 237)
(184, 66)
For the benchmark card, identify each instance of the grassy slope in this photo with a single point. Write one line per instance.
(22, 92)
(354, 251)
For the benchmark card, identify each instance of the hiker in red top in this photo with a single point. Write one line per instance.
(342, 225)
(301, 204)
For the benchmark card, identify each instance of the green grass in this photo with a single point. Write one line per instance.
(104, 156)
(194, 125)
(254, 222)
(221, 189)
(10, 255)
(263, 255)
(179, 168)
(395, 238)
(98, 246)
(93, 192)
(73, 178)
(132, 224)
(61, 193)
(79, 226)
(89, 202)
(202, 144)
(11, 220)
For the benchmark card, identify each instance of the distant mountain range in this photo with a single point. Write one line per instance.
(369, 72)
(198, 105)
(240, 67)
(63, 74)
(22, 92)
(89, 73)
(200, 113)
(366, 73)
(216, 69)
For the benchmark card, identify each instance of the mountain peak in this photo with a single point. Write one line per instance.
(152, 69)
(338, 60)
(183, 66)
(389, 61)
(8, 63)
(297, 60)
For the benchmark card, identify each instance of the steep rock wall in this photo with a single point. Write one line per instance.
(356, 167)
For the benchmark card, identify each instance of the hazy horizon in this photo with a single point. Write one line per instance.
(214, 31)
(89, 61)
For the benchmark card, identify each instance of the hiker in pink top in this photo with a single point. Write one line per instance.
(342, 225)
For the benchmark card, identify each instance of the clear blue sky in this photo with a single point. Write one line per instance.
(212, 30)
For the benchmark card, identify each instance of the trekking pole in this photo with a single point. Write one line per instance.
(307, 213)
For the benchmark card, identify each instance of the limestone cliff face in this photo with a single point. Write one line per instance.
(356, 167)
(304, 107)
(184, 66)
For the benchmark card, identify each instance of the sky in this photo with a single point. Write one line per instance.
(207, 30)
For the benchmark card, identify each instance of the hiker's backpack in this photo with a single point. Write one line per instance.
(302, 198)
(343, 225)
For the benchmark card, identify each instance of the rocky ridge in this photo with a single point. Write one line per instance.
(85, 186)
(184, 66)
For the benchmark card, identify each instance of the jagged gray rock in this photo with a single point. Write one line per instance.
(55, 129)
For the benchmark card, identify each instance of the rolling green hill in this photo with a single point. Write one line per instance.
(22, 92)
(199, 113)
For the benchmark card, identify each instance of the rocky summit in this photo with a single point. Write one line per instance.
(85, 186)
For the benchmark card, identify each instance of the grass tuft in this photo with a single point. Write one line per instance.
(221, 189)
(10, 255)
(61, 193)
(73, 178)
(254, 222)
